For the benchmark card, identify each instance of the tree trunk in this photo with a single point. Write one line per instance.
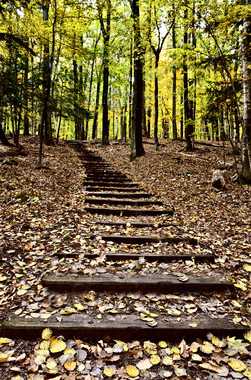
(95, 118)
(45, 127)
(156, 101)
(187, 106)
(90, 87)
(26, 97)
(137, 148)
(246, 137)
(130, 88)
(174, 116)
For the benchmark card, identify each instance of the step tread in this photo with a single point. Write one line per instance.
(128, 326)
(118, 194)
(157, 284)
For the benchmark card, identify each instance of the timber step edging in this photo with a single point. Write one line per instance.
(125, 201)
(146, 239)
(135, 189)
(120, 327)
(128, 211)
(156, 284)
(127, 195)
(200, 258)
(109, 183)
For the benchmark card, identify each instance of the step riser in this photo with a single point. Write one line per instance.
(127, 333)
(128, 212)
(121, 202)
(146, 240)
(111, 188)
(136, 287)
(149, 258)
(119, 195)
(101, 183)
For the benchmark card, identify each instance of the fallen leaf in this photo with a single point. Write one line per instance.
(132, 371)
(237, 365)
(57, 345)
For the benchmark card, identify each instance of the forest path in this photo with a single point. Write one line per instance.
(128, 271)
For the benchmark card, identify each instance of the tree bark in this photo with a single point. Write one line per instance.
(137, 148)
(246, 137)
(106, 32)
(174, 116)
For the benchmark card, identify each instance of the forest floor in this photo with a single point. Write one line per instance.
(42, 213)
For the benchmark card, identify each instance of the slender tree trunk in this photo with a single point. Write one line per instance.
(187, 105)
(130, 87)
(90, 86)
(137, 148)
(45, 117)
(95, 118)
(174, 116)
(26, 97)
(246, 62)
(156, 101)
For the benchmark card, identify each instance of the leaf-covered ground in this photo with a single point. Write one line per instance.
(42, 214)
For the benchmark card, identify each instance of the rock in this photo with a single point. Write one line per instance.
(218, 181)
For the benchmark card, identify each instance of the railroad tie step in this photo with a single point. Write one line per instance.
(115, 201)
(121, 326)
(97, 182)
(120, 195)
(198, 258)
(147, 239)
(122, 189)
(127, 211)
(158, 284)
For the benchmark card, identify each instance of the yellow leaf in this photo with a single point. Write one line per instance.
(207, 348)
(167, 360)
(51, 364)
(70, 365)
(241, 285)
(69, 351)
(237, 365)
(247, 267)
(247, 373)
(44, 345)
(3, 357)
(132, 371)
(109, 371)
(79, 306)
(247, 336)
(175, 350)
(46, 334)
(5, 340)
(3, 278)
(150, 348)
(57, 345)
(217, 342)
(155, 359)
(162, 344)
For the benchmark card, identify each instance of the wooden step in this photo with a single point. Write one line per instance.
(109, 178)
(127, 211)
(120, 183)
(118, 195)
(133, 224)
(157, 258)
(128, 327)
(115, 201)
(111, 283)
(112, 188)
(147, 239)
(206, 258)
